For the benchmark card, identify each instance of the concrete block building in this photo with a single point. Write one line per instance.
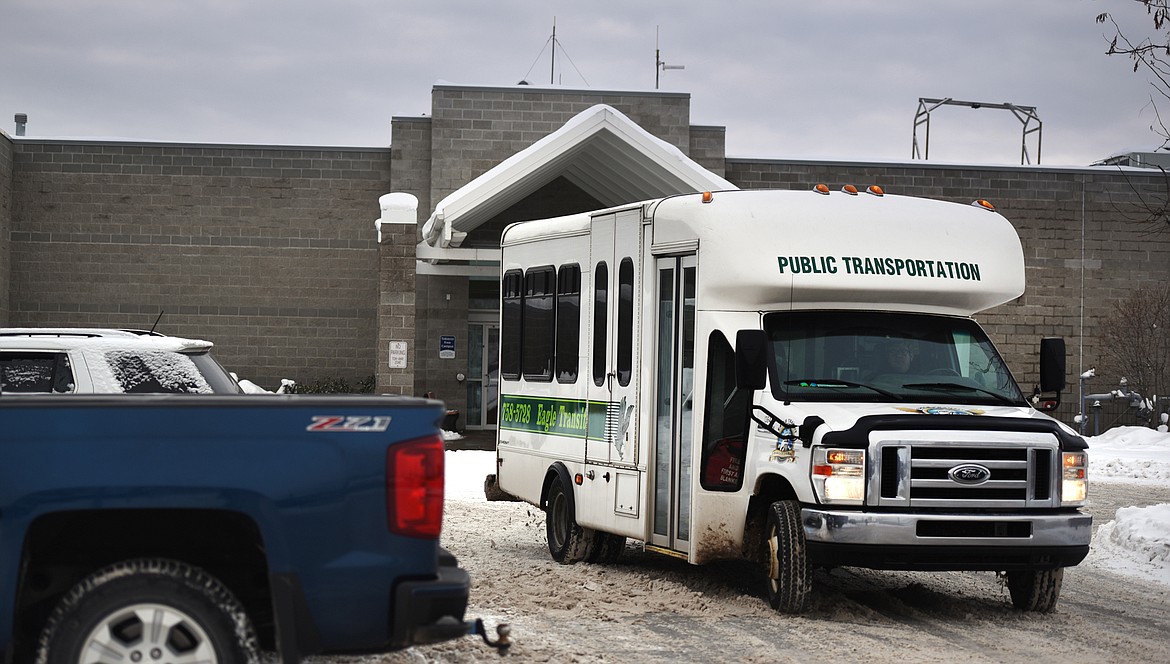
(295, 261)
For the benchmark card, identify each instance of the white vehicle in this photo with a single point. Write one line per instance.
(788, 377)
(107, 361)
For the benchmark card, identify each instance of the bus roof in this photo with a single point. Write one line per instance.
(768, 250)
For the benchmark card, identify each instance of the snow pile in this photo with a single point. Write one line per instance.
(1135, 542)
(1130, 454)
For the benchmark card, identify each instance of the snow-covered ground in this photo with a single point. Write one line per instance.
(1135, 542)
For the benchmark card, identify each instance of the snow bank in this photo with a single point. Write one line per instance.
(1130, 454)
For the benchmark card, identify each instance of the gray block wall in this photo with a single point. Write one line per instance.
(6, 148)
(473, 129)
(268, 251)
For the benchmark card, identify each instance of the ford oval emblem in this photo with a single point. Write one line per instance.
(970, 474)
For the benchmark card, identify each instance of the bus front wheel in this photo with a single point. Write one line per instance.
(789, 575)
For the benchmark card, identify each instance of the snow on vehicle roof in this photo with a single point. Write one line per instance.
(96, 338)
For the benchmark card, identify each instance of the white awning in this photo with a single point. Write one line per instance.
(600, 150)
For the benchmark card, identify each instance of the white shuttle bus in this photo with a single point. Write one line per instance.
(790, 377)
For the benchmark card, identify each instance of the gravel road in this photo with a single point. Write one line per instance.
(653, 608)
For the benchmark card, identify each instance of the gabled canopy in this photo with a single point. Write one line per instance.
(600, 151)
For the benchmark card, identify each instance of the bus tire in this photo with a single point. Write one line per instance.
(114, 608)
(1035, 590)
(567, 542)
(786, 566)
(605, 547)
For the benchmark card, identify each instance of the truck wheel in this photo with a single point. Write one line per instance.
(605, 547)
(789, 581)
(567, 542)
(148, 610)
(1035, 589)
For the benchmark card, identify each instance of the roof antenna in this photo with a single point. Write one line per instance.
(156, 320)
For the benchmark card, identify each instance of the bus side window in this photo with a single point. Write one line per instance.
(725, 420)
(600, 321)
(625, 322)
(538, 323)
(568, 350)
(511, 313)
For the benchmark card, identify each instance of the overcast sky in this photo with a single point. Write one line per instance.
(823, 79)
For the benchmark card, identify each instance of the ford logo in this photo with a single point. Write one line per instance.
(970, 473)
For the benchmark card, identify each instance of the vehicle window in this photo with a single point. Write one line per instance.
(600, 321)
(539, 318)
(150, 371)
(725, 420)
(568, 318)
(625, 322)
(35, 373)
(511, 311)
(217, 377)
(882, 357)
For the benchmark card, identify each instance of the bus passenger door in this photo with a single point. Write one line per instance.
(614, 248)
(674, 382)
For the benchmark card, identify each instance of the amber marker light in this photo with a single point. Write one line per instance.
(849, 189)
(985, 204)
(822, 188)
(875, 190)
(708, 197)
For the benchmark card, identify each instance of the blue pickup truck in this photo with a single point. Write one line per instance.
(206, 528)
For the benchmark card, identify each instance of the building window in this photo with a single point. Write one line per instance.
(510, 315)
(600, 321)
(625, 322)
(568, 322)
(538, 323)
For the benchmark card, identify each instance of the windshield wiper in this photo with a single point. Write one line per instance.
(959, 386)
(837, 382)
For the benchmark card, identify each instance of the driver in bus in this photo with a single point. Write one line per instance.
(900, 355)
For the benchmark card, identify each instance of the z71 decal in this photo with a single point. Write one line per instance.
(359, 424)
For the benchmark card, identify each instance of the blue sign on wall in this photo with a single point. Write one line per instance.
(447, 347)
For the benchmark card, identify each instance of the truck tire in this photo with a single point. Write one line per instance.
(567, 542)
(605, 547)
(115, 610)
(1035, 589)
(786, 565)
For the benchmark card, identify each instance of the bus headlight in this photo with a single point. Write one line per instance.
(839, 475)
(1074, 485)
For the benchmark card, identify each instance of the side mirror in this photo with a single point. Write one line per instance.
(751, 366)
(1052, 371)
(1046, 396)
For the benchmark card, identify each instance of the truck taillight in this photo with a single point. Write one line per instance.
(414, 487)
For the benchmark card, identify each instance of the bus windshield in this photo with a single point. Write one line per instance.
(857, 356)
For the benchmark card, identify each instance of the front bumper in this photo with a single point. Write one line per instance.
(937, 541)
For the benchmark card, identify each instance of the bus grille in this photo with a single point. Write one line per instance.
(953, 475)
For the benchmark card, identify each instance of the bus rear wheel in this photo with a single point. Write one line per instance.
(567, 542)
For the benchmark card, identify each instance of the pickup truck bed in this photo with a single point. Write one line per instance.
(319, 515)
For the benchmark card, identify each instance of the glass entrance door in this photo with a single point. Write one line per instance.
(483, 375)
(673, 402)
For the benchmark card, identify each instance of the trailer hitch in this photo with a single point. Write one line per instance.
(503, 635)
